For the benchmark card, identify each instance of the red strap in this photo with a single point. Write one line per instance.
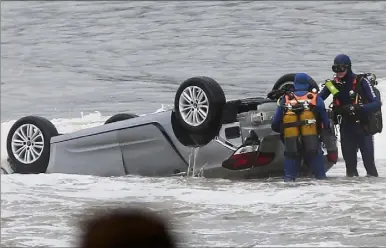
(354, 84)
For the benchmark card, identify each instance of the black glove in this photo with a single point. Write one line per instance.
(349, 109)
(275, 94)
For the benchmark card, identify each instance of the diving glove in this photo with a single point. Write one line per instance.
(349, 109)
(276, 94)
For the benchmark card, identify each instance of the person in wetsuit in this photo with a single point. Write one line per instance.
(346, 106)
(292, 162)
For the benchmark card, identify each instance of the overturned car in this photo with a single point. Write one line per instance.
(232, 139)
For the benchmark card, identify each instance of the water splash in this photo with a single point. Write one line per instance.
(192, 166)
(164, 107)
(6, 168)
(201, 172)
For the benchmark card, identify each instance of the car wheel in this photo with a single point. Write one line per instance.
(120, 117)
(192, 139)
(198, 104)
(287, 81)
(28, 144)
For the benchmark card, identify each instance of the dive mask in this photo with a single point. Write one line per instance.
(339, 68)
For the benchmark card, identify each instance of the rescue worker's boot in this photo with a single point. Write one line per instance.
(351, 170)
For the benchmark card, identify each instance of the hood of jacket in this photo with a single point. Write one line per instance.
(343, 59)
(302, 82)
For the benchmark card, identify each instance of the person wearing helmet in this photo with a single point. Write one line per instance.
(350, 112)
(298, 118)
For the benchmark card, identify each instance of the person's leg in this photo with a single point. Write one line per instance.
(349, 145)
(366, 146)
(316, 163)
(291, 168)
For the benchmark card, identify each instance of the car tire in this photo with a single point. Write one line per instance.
(30, 134)
(288, 79)
(192, 139)
(213, 102)
(120, 117)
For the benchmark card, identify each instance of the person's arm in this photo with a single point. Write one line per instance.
(324, 93)
(278, 118)
(374, 102)
(321, 109)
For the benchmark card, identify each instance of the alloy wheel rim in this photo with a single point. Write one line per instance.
(27, 143)
(194, 105)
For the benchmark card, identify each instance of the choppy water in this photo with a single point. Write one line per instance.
(59, 59)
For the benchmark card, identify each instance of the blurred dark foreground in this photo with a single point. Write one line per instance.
(127, 227)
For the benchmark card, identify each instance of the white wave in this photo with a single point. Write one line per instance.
(203, 204)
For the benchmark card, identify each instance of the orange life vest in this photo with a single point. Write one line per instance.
(294, 99)
(310, 97)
